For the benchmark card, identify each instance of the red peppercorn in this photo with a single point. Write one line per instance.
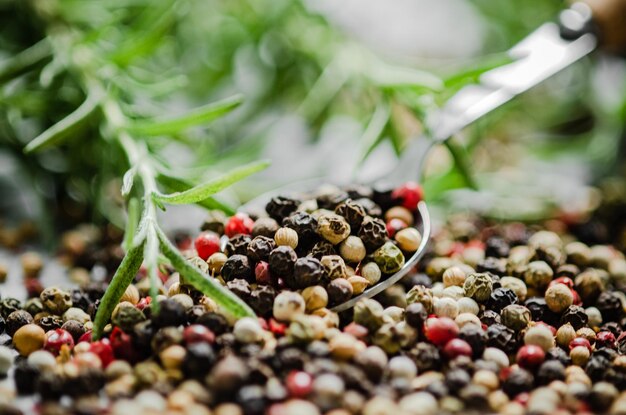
(277, 328)
(580, 341)
(522, 398)
(55, 339)
(144, 302)
(440, 330)
(263, 323)
(207, 243)
(475, 243)
(562, 280)
(85, 337)
(34, 287)
(577, 300)
(197, 333)
(357, 330)
(122, 345)
(394, 225)
(183, 243)
(299, 384)
(409, 195)
(457, 347)
(104, 350)
(605, 339)
(530, 356)
(262, 273)
(240, 223)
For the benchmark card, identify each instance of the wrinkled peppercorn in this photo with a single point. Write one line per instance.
(306, 227)
(353, 212)
(80, 299)
(610, 306)
(238, 267)
(500, 298)
(322, 249)
(373, 233)
(415, 315)
(478, 286)
(576, 316)
(329, 199)
(502, 337)
(56, 300)
(496, 247)
(50, 322)
(9, 305)
(306, 272)
(240, 287)
(282, 260)
(475, 336)
(171, 313)
(238, 245)
(490, 317)
(262, 300)
(17, 319)
(259, 248)
(426, 357)
(280, 207)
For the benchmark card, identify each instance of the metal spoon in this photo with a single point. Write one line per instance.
(546, 51)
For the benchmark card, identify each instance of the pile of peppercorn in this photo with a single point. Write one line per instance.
(501, 318)
(331, 243)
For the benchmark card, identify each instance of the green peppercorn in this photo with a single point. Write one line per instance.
(369, 313)
(515, 316)
(421, 294)
(389, 258)
(126, 315)
(9, 305)
(56, 300)
(478, 286)
(333, 228)
(34, 306)
(334, 266)
(559, 297)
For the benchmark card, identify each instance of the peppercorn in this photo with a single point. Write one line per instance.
(17, 319)
(240, 287)
(589, 285)
(496, 266)
(515, 317)
(9, 305)
(215, 221)
(237, 245)
(502, 337)
(538, 274)
(389, 258)
(49, 322)
(576, 316)
(333, 228)
(610, 306)
(28, 339)
(25, 377)
(305, 226)
(339, 291)
(373, 233)
(490, 317)
(549, 371)
(56, 300)
(259, 248)
(238, 267)
(322, 248)
(306, 272)
(280, 207)
(262, 300)
(126, 315)
(478, 286)
(501, 298)
(352, 249)
(496, 246)
(518, 381)
(170, 313)
(75, 328)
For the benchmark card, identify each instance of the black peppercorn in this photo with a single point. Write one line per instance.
(382, 196)
(215, 221)
(415, 315)
(265, 227)
(500, 298)
(502, 337)
(237, 245)
(215, 322)
(251, 399)
(490, 317)
(371, 207)
(496, 247)
(576, 316)
(475, 336)
(357, 191)
(166, 337)
(306, 227)
(50, 386)
(75, 328)
(597, 367)
(288, 359)
(518, 381)
(259, 248)
(567, 270)
(610, 306)
(373, 233)
(238, 267)
(262, 300)
(617, 376)
(539, 310)
(194, 312)
(89, 381)
(280, 207)
(17, 319)
(142, 336)
(50, 322)
(549, 371)
(322, 248)
(226, 341)
(426, 357)
(492, 265)
(171, 313)
(556, 353)
(306, 272)
(330, 199)
(281, 261)
(241, 288)
(353, 212)
(456, 379)
(339, 291)
(199, 360)
(417, 279)
(612, 326)
(9, 305)
(80, 299)
(25, 377)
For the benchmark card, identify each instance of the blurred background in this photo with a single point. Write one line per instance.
(330, 89)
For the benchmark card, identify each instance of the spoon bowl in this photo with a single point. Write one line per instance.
(423, 224)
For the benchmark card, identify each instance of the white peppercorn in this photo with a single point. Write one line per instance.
(468, 305)
(399, 212)
(352, 249)
(559, 297)
(454, 292)
(595, 316)
(408, 239)
(287, 237)
(516, 285)
(359, 284)
(371, 272)
(538, 274)
(454, 276)
(464, 319)
(287, 305)
(539, 335)
(402, 367)
(565, 334)
(446, 307)
(248, 330)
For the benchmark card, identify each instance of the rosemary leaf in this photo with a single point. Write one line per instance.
(131, 223)
(128, 180)
(25, 61)
(65, 128)
(121, 280)
(203, 191)
(373, 134)
(180, 185)
(228, 301)
(198, 116)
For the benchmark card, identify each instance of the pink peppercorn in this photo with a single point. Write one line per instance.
(240, 223)
(605, 339)
(104, 350)
(440, 330)
(394, 225)
(197, 333)
(580, 341)
(262, 273)
(299, 384)
(457, 347)
(530, 356)
(409, 195)
(207, 243)
(55, 339)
